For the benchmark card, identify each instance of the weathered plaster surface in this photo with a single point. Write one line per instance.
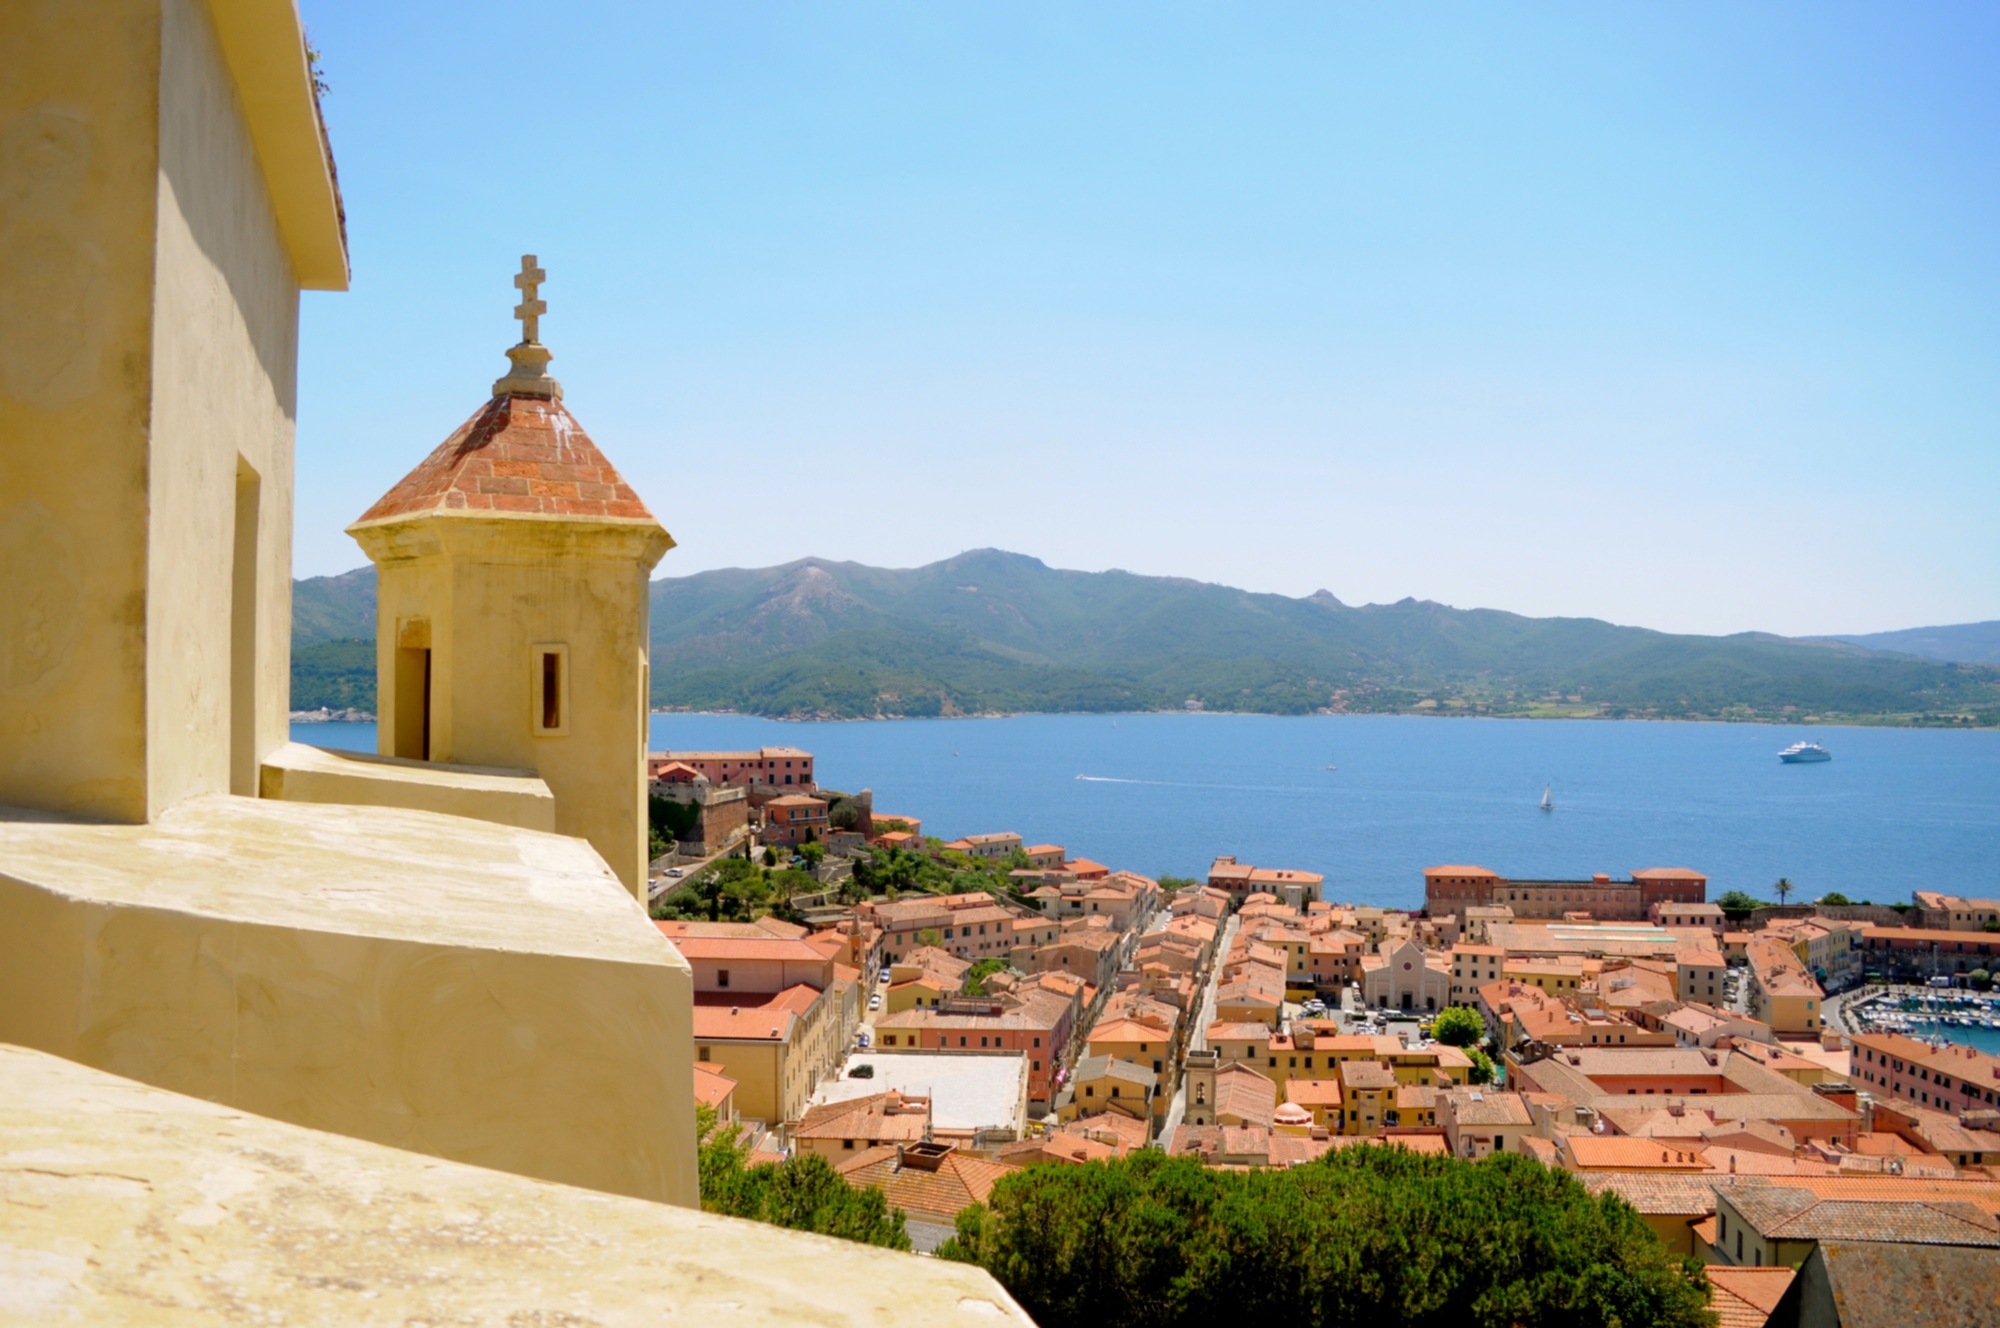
(79, 177)
(489, 587)
(125, 1204)
(299, 773)
(460, 988)
(224, 396)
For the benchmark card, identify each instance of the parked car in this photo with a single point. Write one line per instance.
(875, 1001)
(864, 1041)
(674, 871)
(885, 975)
(863, 1071)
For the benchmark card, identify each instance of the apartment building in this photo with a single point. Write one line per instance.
(795, 819)
(770, 1012)
(1918, 953)
(1453, 889)
(781, 766)
(1942, 1078)
(1037, 1027)
(1782, 993)
(1240, 880)
(991, 847)
(1954, 912)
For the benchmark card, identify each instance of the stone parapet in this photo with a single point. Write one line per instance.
(127, 1204)
(299, 773)
(473, 991)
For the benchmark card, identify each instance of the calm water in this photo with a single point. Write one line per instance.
(1895, 810)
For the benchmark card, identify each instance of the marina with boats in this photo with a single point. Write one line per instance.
(1931, 1014)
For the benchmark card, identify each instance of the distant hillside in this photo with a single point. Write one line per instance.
(1967, 643)
(330, 608)
(990, 632)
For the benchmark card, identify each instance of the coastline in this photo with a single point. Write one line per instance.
(1788, 722)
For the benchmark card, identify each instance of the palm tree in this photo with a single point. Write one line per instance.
(1784, 888)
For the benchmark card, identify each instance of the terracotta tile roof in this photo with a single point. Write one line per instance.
(1245, 1094)
(518, 454)
(740, 1023)
(711, 1085)
(1127, 1030)
(1745, 1297)
(1093, 1068)
(883, 1118)
(1784, 1213)
(1487, 1106)
(1313, 1092)
(1601, 1151)
(760, 946)
(930, 1196)
(1887, 1285)
(1127, 1132)
(1365, 1074)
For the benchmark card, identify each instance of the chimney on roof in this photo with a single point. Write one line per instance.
(734, 1010)
(1732, 1164)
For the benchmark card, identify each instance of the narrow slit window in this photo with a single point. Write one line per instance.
(550, 682)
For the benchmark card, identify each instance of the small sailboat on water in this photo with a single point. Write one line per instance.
(1548, 803)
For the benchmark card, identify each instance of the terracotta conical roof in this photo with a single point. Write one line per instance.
(520, 453)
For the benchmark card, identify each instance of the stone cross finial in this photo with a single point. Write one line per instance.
(530, 309)
(530, 374)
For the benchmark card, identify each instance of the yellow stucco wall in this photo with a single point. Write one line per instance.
(489, 590)
(474, 991)
(224, 396)
(148, 315)
(759, 1070)
(79, 178)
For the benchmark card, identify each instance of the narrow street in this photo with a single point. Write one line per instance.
(1198, 1037)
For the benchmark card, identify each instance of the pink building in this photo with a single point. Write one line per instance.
(767, 765)
(794, 819)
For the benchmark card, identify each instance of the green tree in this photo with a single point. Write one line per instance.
(930, 936)
(802, 1192)
(1482, 1066)
(770, 855)
(1784, 888)
(1360, 1237)
(814, 854)
(1835, 900)
(975, 977)
(1459, 1026)
(1736, 905)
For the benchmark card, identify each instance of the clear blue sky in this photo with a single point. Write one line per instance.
(1678, 315)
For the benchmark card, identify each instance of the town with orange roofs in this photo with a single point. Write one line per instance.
(1738, 1080)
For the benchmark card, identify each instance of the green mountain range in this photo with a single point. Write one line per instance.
(990, 631)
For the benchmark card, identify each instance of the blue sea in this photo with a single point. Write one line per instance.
(1896, 809)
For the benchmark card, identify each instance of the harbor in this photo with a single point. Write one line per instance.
(1952, 1015)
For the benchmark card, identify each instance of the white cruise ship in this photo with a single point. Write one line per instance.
(1799, 753)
